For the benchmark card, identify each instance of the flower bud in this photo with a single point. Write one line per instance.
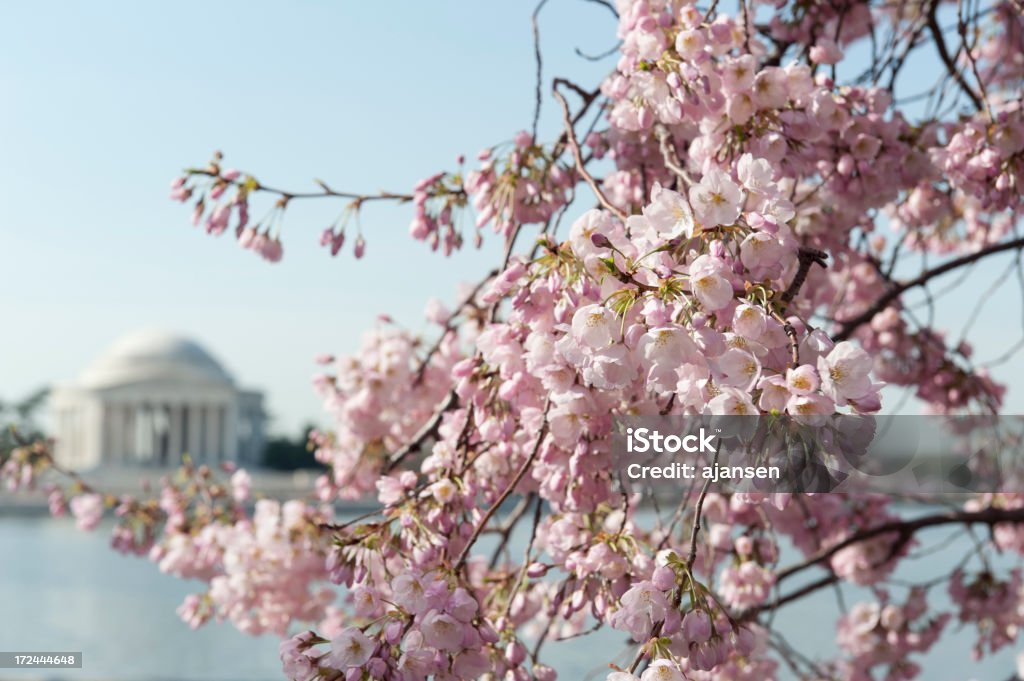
(487, 632)
(697, 626)
(515, 653)
(536, 570)
(664, 578)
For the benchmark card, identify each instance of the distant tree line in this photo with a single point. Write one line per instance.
(18, 420)
(287, 454)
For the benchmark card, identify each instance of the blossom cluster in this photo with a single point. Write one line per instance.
(732, 261)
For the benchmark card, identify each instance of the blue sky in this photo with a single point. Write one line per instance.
(105, 102)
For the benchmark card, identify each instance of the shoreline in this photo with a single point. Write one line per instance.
(140, 481)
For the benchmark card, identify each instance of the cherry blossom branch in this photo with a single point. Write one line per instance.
(691, 557)
(947, 59)
(796, 595)
(807, 258)
(577, 154)
(538, 59)
(851, 325)
(450, 325)
(286, 196)
(505, 494)
(428, 430)
(670, 159)
(41, 448)
(905, 530)
(987, 516)
(794, 342)
(695, 529)
(521, 575)
(504, 530)
(968, 50)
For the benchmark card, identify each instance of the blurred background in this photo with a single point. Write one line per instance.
(107, 102)
(111, 290)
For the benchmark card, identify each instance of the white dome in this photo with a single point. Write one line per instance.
(154, 355)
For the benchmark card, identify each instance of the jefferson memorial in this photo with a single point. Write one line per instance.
(149, 399)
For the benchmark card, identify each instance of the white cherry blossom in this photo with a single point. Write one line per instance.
(717, 199)
(593, 326)
(845, 373)
(350, 648)
(669, 214)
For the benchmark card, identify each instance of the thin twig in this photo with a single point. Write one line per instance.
(851, 325)
(428, 430)
(669, 157)
(947, 59)
(807, 257)
(574, 146)
(538, 97)
(988, 516)
(325, 190)
(504, 495)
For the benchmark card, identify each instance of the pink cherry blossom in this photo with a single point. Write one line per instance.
(441, 631)
(87, 510)
(593, 326)
(350, 648)
(669, 214)
(709, 283)
(716, 200)
(845, 373)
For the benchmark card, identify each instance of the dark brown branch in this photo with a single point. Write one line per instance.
(796, 595)
(504, 530)
(428, 430)
(807, 257)
(325, 190)
(906, 528)
(607, 5)
(538, 97)
(695, 530)
(521, 575)
(464, 554)
(794, 342)
(947, 59)
(574, 146)
(851, 325)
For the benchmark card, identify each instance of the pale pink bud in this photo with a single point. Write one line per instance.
(487, 632)
(846, 165)
(515, 653)
(697, 626)
(393, 632)
(536, 570)
(664, 578)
